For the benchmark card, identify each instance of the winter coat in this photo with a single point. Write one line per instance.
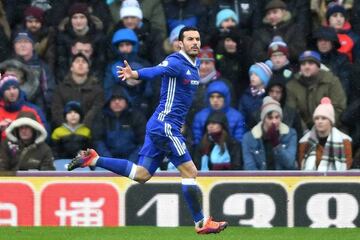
(42, 72)
(16, 155)
(306, 99)
(340, 65)
(30, 85)
(249, 105)
(90, 95)
(11, 111)
(284, 155)
(119, 136)
(289, 31)
(67, 142)
(234, 117)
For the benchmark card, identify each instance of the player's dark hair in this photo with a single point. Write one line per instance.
(186, 29)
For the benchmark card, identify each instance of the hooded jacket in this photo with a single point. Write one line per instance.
(118, 135)
(234, 117)
(18, 155)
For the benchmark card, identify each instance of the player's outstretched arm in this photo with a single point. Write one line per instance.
(126, 72)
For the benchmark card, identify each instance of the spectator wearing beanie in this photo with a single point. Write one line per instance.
(349, 41)
(13, 101)
(279, 55)
(78, 23)
(278, 22)
(43, 36)
(306, 89)
(325, 148)
(218, 98)
(326, 42)
(250, 102)
(79, 86)
(226, 19)
(149, 40)
(72, 136)
(218, 150)
(171, 44)
(271, 144)
(24, 147)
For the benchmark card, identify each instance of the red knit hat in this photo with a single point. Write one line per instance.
(78, 8)
(278, 45)
(34, 12)
(206, 54)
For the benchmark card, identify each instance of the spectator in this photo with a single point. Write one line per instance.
(325, 147)
(25, 147)
(271, 144)
(152, 10)
(188, 12)
(278, 22)
(79, 86)
(218, 95)
(250, 102)
(150, 41)
(78, 24)
(218, 150)
(208, 74)
(125, 43)
(171, 44)
(279, 55)
(27, 81)
(12, 101)
(232, 58)
(248, 12)
(42, 35)
(349, 41)
(306, 89)
(72, 136)
(300, 13)
(119, 130)
(327, 43)
(24, 51)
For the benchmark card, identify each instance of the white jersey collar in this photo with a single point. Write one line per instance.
(188, 58)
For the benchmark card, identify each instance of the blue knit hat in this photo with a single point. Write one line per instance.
(225, 14)
(174, 34)
(7, 81)
(262, 70)
(73, 106)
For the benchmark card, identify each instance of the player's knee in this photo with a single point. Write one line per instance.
(142, 175)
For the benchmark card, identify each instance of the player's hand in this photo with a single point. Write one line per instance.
(126, 72)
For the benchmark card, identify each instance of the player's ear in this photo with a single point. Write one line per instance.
(181, 44)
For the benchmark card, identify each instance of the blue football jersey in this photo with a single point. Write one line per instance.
(180, 79)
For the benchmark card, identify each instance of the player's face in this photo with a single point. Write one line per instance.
(191, 43)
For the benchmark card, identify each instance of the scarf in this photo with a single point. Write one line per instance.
(208, 77)
(257, 92)
(333, 157)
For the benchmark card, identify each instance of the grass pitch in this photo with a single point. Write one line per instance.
(179, 233)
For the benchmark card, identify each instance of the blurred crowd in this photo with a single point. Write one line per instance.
(279, 81)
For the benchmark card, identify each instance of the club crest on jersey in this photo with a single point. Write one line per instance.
(188, 72)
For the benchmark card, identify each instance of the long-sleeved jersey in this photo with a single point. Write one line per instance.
(180, 79)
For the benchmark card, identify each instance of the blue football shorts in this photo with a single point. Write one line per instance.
(161, 141)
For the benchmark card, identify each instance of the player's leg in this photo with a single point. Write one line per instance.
(191, 193)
